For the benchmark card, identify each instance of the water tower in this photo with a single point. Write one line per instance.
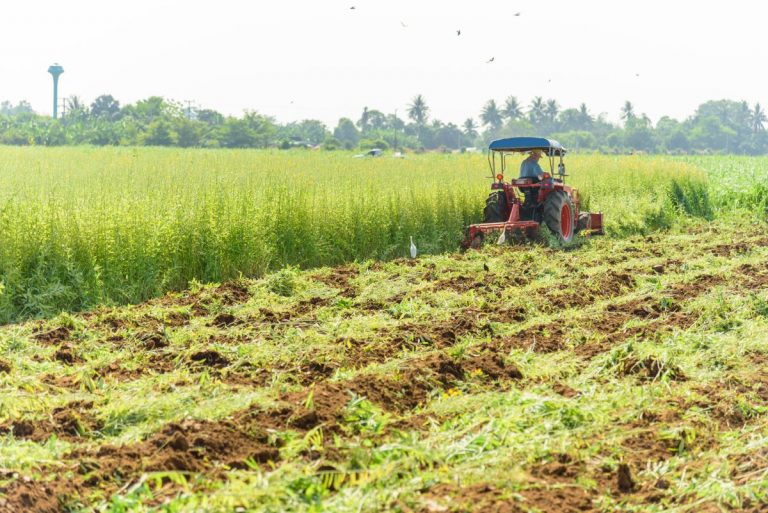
(55, 69)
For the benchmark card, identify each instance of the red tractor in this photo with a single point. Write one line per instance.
(547, 200)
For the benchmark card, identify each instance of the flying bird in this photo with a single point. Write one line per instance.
(458, 32)
(414, 252)
(352, 8)
(492, 59)
(403, 25)
(517, 14)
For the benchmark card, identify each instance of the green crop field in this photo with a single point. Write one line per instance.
(82, 227)
(322, 371)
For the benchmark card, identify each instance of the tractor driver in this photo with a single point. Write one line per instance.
(530, 168)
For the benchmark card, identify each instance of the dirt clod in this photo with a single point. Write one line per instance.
(178, 442)
(624, 478)
(210, 358)
(224, 319)
(53, 336)
(152, 341)
(23, 429)
(65, 355)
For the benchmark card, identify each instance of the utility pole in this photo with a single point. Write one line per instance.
(55, 70)
(189, 108)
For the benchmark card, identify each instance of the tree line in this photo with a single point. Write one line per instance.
(721, 126)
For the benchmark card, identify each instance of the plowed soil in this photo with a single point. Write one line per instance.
(609, 382)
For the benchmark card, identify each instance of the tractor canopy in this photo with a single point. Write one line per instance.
(522, 144)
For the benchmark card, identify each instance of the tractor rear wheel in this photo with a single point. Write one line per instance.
(560, 215)
(496, 208)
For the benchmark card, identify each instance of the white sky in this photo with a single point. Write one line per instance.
(318, 59)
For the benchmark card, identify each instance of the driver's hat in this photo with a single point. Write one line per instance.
(535, 152)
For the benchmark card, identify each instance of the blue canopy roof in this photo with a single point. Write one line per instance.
(548, 146)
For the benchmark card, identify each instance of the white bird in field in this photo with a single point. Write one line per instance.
(414, 252)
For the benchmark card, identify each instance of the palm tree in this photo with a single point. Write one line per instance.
(744, 116)
(470, 129)
(362, 124)
(756, 118)
(628, 111)
(75, 108)
(585, 119)
(491, 116)
(418, 110)
(552, 110)
(512, 110)
(536, 112)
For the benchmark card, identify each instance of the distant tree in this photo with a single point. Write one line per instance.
(628, 112)
(377, 120)
(395, 123)
(470, 129)
(149, 110)
(678, 141)
(491, 116)
(309, 131)
(188, 132)
(102, 133)
(418, 110)
(551, 110)
(711, 133)
(76, 109)
(105, 107)
(21, 108)
(576, 139)
(570, 120)
(263, 128)
(448, 136)
(743, 118)
(331, 143)
(757, 119)
(362, 123)
(537, 112)
(159, 133)
(585, 118)
(639, 136)
(210, 117)
(313, 131)
(237, 133)
(346, 132)
(512, 110)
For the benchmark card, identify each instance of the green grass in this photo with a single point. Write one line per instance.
(84, 226)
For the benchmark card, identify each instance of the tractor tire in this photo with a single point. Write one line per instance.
(496, 208)
(559, 215)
